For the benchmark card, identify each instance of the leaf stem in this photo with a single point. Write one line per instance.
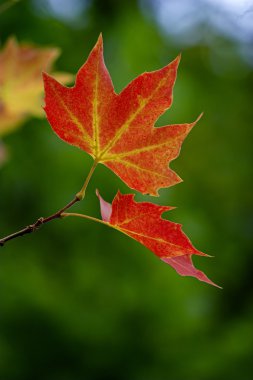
(65, 214)
(58, 214)
(81, 194)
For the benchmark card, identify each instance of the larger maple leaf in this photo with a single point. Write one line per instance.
(118, 130)
(21, 85)
(142, 222)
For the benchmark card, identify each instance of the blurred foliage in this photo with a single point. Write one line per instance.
(21, 87)
(79, 301)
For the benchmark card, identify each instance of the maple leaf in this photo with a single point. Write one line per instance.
(21, 85)
(142, 221)
(118, 130)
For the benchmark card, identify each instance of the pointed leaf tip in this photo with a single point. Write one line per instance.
(100, 43)
(100, 37)
(199, 117)
(45, 75)
(184, 266)
(178, 58)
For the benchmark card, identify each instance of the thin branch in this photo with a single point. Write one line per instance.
(39, 222)
(58, 214)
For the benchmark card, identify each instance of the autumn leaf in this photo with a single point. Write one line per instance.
(21, 85)
(118, 130)
(142, 222)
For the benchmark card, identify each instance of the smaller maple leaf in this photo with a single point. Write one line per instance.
(142, 221)
(118, 130)
(21, 85)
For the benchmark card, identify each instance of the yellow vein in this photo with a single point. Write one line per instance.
(129, 232)
(124, 128)
(95, 114)
(73, 117)
(159, 240)
(138, 150)
(126, 125)
(132, 219)
(127, 163)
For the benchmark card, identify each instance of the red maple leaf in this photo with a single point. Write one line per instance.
(118, 130)
(142, 222)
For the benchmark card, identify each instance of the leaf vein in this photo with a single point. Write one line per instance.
(127, 123)
(73, 118)
(138, 150)
(127, 163)
(126, 231)
(95, 115)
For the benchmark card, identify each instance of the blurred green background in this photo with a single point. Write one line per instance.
(79, 301)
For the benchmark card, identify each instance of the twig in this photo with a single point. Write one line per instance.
(58, 214)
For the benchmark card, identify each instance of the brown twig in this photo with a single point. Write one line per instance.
(40, 221)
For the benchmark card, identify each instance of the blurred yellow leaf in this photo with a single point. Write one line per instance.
(21, 86)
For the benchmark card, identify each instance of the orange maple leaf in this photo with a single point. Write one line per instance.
(118, 130)
(142, 221)
(21, 85)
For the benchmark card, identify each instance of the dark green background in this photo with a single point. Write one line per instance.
(79, 301)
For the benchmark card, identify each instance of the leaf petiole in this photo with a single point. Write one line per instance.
(65, 214)
(81, 194)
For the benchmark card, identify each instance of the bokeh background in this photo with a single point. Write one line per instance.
(79, 301)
